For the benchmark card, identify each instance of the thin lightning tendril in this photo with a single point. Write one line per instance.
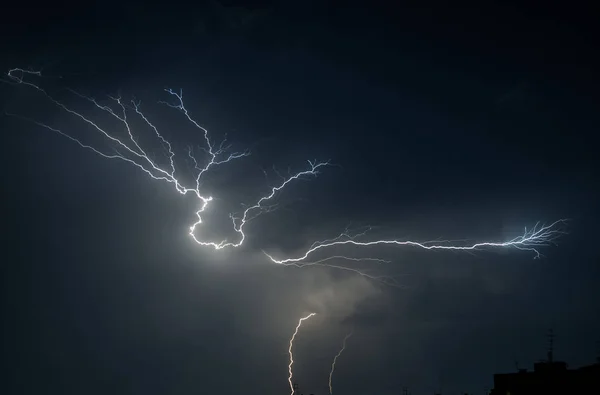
(335, 360)
(539, 235)
(132, 152)
(290, 349)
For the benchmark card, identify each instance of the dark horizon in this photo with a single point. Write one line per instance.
(441, 123)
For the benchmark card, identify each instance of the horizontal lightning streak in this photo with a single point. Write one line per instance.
(540, 235)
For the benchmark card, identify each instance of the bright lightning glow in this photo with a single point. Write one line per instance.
(290, 349)
(130, 150)
(335, 360)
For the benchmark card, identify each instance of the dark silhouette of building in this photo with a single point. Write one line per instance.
(549, 377)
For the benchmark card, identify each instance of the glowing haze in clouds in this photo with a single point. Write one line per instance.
(215, 155)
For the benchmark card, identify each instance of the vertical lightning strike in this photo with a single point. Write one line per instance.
(290, 349)
(335, 359)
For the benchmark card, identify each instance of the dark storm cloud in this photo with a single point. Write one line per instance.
(225, 18)
(108, 294)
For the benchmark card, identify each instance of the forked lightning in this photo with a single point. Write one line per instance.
(130, 150)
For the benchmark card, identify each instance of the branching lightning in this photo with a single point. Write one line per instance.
(530, 240)
(335, 360)
(290, 349)
(130, 150)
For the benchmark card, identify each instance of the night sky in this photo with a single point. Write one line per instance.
(444, 122)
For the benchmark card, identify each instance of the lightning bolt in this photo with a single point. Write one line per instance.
(290, 349)
(530, 240)
(335, 360)
(130, 150)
